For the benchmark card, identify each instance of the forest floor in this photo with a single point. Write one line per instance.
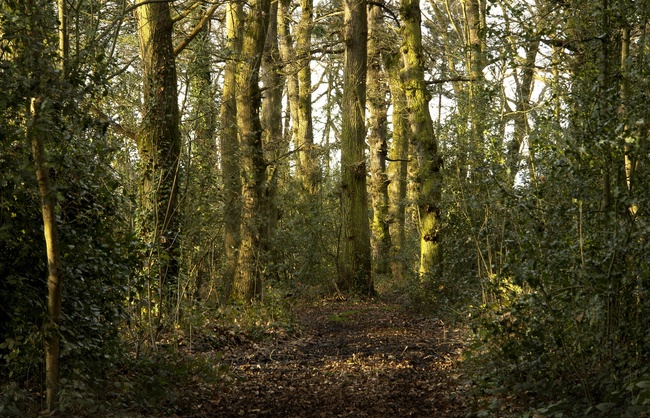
(348, 359)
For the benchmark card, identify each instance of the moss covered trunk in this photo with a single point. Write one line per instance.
(429, 177)
(159, 147)
(230, 153)
(355, 263)
(249, 98)
(398, 167)
(378, 141)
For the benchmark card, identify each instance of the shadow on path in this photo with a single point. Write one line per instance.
(352, 359)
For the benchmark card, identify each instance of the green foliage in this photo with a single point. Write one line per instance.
(95, 243)
(304, 250)
(549, 263)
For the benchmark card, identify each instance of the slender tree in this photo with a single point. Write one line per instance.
(273, 139)
(200, 159)
(54, 265)
(378, 141)
(229, 142)
(288, 54)
(36, 133)
(305, 133)
(398, 167)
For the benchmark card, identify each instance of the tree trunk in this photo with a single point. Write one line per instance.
(249, 284)
(475, 63)
(288, 54)
(429, 177)
(308, 166)
(524, 90)
(230, 153)
(200, 183)
(377, 138)
(54, 268)
(274, 141)
(355, 264)
(159, 146)
(398, 167)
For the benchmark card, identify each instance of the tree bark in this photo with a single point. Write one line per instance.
(398, 167)
(475, 63)
(288, 54)
(249, 284)
(377, 138)
(159, 146)
(54, 267)
(355, 264)
(429, 176)
(230, 152)
(274, 142)
(308, 167)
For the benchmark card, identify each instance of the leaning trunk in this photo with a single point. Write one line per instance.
(54, 268)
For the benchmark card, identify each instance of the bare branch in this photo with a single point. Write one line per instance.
(103, 117)
(199, 27)
(450, 80)
(386, 9)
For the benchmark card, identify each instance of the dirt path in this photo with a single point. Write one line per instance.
(366, 359)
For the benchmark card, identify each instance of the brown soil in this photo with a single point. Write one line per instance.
(350, 359)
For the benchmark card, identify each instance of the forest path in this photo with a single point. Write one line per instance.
(351, 359)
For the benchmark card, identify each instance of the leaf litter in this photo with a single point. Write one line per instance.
(349, 359)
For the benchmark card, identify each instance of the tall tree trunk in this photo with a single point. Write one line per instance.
(429, 177)
(524, 90)
(249, 284)
(475, 63)
(398, 167)
(54, 268)
(288, 54)
(355, 265)
(630, 161)
(159, 146)
(230, 153)
(377, 138)
(605, 101)
(274, 141)
(305, 141)
(201, 156)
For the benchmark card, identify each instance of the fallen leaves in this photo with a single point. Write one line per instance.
(365, 359)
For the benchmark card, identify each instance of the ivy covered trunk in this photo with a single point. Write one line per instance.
(355, 263)
(429, 177)
(159, 147)
(249, 98)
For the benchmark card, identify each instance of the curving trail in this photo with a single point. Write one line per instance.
(351, 359)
